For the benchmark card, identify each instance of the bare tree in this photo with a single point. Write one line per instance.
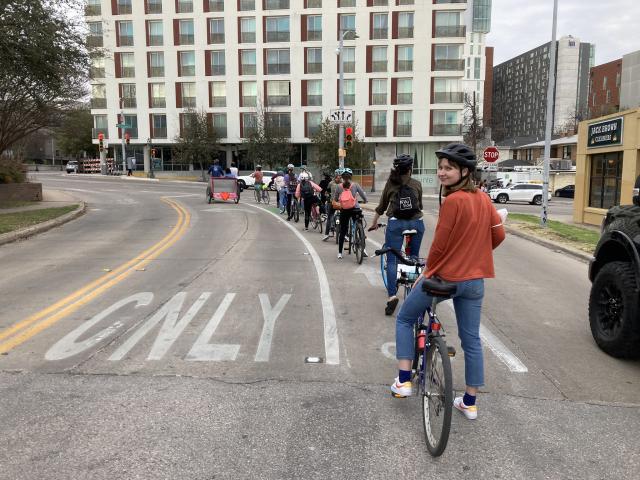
(326, 141)
(268, 144)
(198, 141)
(475, 134)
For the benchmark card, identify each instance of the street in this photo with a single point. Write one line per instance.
(158, 336)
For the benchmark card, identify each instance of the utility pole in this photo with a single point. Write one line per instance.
(341, 91)
(123, 129)
(547, 134)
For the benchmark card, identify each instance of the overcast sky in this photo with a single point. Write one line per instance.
(520, 25)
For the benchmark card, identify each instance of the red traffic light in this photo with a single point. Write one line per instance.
(348, 139)
(349, 131)
(101, 136)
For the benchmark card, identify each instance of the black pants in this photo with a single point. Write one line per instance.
(309, 201)
(345, 216)
(330, 212)
(290, 199)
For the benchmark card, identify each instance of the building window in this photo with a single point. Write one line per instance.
(405, 2)
(347, 23)
(94, 39)
(404, 94)
(278, 124)
(566, 152)
(219, 124)
(216, 30)
(314, 27)
(313, 4)
(128, 65)
(184, 6)
(445, 122)
(216, 5)
(405, 58)
(378, 3)
(248, 30)
(313, 122)
(379, 58)
(187, 121)
(100, 125)
(349, 88)
(278, 93)
(277, 29)
(314, 60)
(154, 6)
(448, 57)
(132, 121)
(247, 62)
(476, 68)
(156, 64)
(187, 64)
(158, 125)
(278, 61)
(378, 91)
(448, 25)
(186, 35)
(247, 5)
(349, 59)
(98, 96)
(96, 70)
(123, 7)
(156, 38)
(379, 124)
(158, 97)
(403, 125)
(93, 8)
(249, 92)
(447, 90)
(276, 4)
(405, 25)
(249, 122)
(346, 3)
(188, 90)
(127, 95)
(482, 16)
(218, 94)
(605, 180)
(314, 92)
(217, 62)
(380, 26)
(125, 33)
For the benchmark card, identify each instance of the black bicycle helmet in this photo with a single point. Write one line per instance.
(403, 161)
(460, 154)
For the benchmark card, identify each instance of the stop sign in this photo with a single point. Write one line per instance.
(490, 154)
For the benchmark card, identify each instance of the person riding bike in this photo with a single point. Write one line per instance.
(291, 181)
(325, 185)
(402, 201)
(345, 198)
(306, 190)
(469, 229)
(258, 176)
(337, 180)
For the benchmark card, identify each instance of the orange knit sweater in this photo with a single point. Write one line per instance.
(468, 230)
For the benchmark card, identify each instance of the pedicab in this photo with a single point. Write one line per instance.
(223, 189)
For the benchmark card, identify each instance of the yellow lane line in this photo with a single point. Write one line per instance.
(82, 297)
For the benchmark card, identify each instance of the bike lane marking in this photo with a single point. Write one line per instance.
(331, 341)
(34, 324)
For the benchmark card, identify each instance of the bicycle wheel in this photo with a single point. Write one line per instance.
(348, 236)
(314, 217)
(266, 198)
(383, 267)
(296, 211)
(436, 391)
(358, 242)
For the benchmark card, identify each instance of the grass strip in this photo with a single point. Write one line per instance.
(15, 221)
(586, 237)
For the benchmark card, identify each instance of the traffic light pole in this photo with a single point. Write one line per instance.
(124, 147)
(341, 97)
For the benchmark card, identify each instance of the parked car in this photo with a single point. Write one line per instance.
(246, 181)
(72, 166)
(520, 192)
(566, 191)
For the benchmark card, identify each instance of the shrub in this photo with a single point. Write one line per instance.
(11, 170)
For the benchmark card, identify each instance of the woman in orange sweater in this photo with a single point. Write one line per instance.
(469, 228)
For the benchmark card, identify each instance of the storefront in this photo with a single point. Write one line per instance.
(607, 164)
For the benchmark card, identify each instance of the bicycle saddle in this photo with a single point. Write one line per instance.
(436, 287)
(413, 231)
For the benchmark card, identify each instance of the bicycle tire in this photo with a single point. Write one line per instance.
(383, 267)
(436, 394)
(347, 237)
(266, 198)
(296, 211)
(358, 243)
(321, 222)
(314, 217)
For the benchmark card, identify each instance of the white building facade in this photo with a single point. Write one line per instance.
(405, 74)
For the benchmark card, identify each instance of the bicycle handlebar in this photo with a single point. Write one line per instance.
(412, 262)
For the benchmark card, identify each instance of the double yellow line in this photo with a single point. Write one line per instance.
(22, 331)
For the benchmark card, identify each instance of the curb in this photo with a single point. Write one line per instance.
(44, 226)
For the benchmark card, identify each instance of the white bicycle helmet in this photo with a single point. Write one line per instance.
(290, 166)
(304, 176)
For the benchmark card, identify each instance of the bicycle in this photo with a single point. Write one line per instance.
(317, 218)
(261, 194)
(295, 207)
(432, 377)
(406, 248)
(356, 236)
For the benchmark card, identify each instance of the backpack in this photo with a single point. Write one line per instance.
(293, 183)
(306, 190)
(406, 204)
(347, 200)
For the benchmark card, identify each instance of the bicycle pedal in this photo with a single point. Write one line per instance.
(451, 351)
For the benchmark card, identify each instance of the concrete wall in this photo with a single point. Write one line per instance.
(630, 87)
(27, 192)
(567, 71)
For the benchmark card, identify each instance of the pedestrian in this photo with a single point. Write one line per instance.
(306, 190)
(401, 200)
(281, 190)
(325, 185)
(337, 180)
(345, 198)
(469, 229)
(234, 170)
(131, 164)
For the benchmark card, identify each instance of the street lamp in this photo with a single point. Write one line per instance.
(343, 33)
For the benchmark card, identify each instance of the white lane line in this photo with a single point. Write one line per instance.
(494, 344)
(331, 341)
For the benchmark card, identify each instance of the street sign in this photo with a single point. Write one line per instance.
(341, 116)
(123, 125)
(490, 154)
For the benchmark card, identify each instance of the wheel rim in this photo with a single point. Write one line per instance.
(502, 198)
(433, 399)
(611, 311)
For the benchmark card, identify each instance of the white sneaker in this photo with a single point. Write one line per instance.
(401, 390)
(325, 238)
(470, 412)
(339, 255)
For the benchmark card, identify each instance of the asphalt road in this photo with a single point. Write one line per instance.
(161, 337)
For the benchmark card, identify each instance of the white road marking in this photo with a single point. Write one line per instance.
(331, 340)
(372, 274)
(386, 350)
(270, 315)
(204, 351)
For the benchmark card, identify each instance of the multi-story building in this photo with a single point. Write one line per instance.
(630, 83)
(405, 73)
(520, 89)
(604, 88)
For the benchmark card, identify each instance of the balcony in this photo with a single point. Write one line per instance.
(450, 31)
(158, 102)
(216, 38)
(156, 71)
(188, 102)
(126, 40)
(249, 101)
(379, 131)
(218, 69)
(154, 6)
(380, 66)
(277, 36)
(248, 69)
(405, 65)
(128, 102)
(380, 34)
(92, 10)
(128, 72)
(314, 35)
(446, 64)
(446, 129)
(379, 99)
(247, 37)
(186, 39)
(278, 100)
(156, 40)
(314, 67)
(403, 130)
(448, 97)
(218, 101)
(405, 32)
(96, 131)
(98, 103)
(314, 100)
(94, 41)
(276, 4)
(216, 5)
(159, 132)
(404, 98)
(185, 7)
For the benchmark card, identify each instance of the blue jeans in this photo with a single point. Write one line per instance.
(393, 238)
(283, 198)
(467, 302)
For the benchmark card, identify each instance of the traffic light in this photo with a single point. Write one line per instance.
(101, 141)
(348, 139)
(127, 138)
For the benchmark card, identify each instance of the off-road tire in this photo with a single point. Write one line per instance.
(614, 310)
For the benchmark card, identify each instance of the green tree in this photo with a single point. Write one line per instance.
(198, 141)
(43, 65)
(267, 144)
(74, 134)
(326, 142)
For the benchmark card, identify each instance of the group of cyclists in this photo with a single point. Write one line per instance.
(468, 230)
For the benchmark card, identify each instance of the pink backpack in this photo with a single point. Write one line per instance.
(347, 200)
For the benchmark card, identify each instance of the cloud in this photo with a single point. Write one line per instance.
(520, 25)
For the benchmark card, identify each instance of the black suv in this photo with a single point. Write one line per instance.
(614, 302)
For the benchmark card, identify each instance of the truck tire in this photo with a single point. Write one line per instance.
(614, 308)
